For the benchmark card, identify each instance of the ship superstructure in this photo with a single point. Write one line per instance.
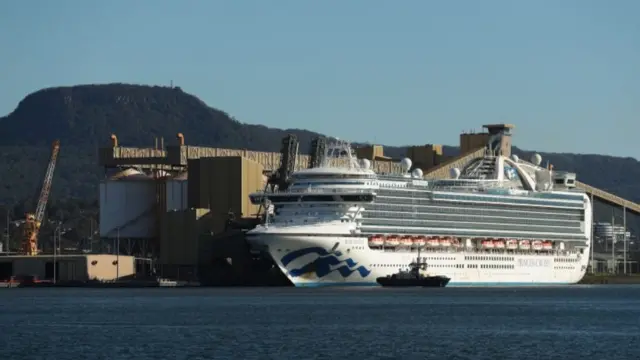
(499, 220)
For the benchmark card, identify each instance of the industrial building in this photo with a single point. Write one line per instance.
(65, 268)
(613, 245)
(187, 206)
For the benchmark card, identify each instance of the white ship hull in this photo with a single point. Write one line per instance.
(307, 261)
(315, 226)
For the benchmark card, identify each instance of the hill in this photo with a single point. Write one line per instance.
(84, 116)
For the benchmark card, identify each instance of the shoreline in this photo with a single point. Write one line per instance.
(588, 279)
(610, 279)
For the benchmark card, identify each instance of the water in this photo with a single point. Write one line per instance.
(599, 322)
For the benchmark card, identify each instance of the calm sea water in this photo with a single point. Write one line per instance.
(598, 322)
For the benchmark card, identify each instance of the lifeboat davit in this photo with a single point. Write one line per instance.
(433, 241)
(391, 241)
(376, 240)
(406, 241)
(499, 243)
(536, 245)
(525, 244)
(455, 242)
(512, 244)
(419, 241)
(547, 245)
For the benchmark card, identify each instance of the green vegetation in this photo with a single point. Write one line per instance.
(83, 117)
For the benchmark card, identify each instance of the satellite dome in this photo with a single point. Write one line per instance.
(536, 159)
(515, 158)
(406, 164)
(417, 173)
(365, 163)
(455, 173)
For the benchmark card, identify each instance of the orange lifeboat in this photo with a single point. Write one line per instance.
(547, 245)
(419, 241)
(406, 240)
(445, 241)
(434, 241)
(392, 241)
(376, 240)
(487, 244)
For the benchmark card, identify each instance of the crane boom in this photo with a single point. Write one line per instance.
(33, 221)
(46, 185)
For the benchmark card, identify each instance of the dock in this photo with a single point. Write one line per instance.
(194, 208)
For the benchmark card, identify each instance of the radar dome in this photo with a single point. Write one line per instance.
(455, 173)
(417, 172)
(365, 163)
(515, 158)
(406, 164)
(536, 159)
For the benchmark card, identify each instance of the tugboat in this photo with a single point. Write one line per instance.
(415, 276)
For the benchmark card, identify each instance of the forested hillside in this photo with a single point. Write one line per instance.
(84, 116)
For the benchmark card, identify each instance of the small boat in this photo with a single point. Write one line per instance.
(433, 241)
(498, 244)
(512, 244)
(406, 241)
(487, 244)
(455, 242)
(376, 240)
(392, 240)
(547, 245)
(524, 244)
(416, 276)
(419, 241)
(445, 241)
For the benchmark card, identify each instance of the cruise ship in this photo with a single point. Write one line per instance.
(497, 221)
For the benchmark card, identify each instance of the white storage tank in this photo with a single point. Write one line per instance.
(603, 230)
(177, 192)
(127, 205)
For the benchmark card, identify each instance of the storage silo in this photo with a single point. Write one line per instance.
(127, 203)
(177, 192)
(603, 230)
(618, 231)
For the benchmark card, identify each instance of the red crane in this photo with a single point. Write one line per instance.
(33, 221)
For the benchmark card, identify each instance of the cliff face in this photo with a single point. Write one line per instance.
(84, 116)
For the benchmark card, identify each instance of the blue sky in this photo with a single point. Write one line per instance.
(566, 73)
